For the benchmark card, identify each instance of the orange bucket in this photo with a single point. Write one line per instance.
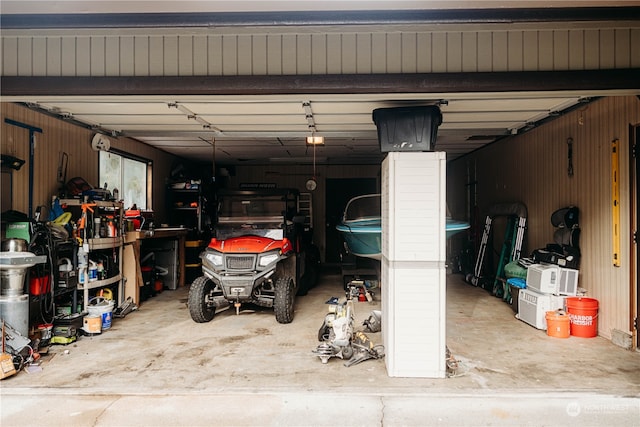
(557, 324)
(583, 314)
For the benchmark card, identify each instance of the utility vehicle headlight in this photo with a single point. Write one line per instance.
(268, 259)
(215, 258)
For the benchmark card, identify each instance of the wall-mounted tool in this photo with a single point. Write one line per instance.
(615, 200)
(570, 156)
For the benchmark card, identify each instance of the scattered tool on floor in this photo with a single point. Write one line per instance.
(374, 322)
(125, 308)
(337, 334)
(364, 350)
(336, 331)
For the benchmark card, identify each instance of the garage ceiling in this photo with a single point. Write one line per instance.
(258, 129)
(273, 128)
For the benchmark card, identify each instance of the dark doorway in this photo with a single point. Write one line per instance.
(339, 192)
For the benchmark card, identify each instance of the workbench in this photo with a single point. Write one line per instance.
(132, 270)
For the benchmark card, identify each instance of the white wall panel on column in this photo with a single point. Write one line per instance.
(415, 218)
(414, 319)
(413, 264)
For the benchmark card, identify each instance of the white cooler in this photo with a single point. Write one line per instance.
(533, 306)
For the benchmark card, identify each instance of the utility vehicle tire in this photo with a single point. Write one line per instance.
(305, 285)
(283, 302)
(200, 311)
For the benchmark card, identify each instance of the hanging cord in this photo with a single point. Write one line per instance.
(42, 243)
(47, 300)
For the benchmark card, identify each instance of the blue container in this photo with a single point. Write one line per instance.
(517, 282)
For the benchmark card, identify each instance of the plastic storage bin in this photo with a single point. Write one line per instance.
(407, 128)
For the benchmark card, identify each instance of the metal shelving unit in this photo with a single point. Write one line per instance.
(103, 244)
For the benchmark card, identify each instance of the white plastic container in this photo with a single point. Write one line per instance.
(543, 278)
(533, 306)
(552, 279)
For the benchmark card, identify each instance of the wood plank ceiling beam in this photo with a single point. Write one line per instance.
(538, 81)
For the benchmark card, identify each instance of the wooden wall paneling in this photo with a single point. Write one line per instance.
(469, 51)
(200, 51)
(393, 53)
(83, 56)
(371, 51)
(244, 55)
(303, 54)
(39, 61)
(127, 56)
(53, 54)
(9, 56)
(500, 53)
(622, 48)
(25, 56)
(439, 52)
(348, 54)
(560, 50)
(364, 52)
(274, 56)
(334, 53)
(545, 50)
(68, 58)
(141, 48)
(289, 60)
(319, 56)
(454, 52)
(155, 56)
(591, 49)
(409, 53)
(214, 55)
(97, 57)
(485, 51)
(496, 48)
(515, 50)
(258, 55)
(185, 55)
(530, 50)
(170, 56)
(424, 52)
(112, 56)
(607, 48)
(576, 49)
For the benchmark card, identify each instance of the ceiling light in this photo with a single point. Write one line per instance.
(315, 140)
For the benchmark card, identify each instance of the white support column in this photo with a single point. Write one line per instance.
(413, 264)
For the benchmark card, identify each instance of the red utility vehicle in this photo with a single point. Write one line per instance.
(261, 254)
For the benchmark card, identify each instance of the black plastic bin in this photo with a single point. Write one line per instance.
(407, 128)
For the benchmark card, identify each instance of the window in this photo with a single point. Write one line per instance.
(127, 174)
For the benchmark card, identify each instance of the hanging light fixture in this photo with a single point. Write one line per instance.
(315, 140)
(311, 183)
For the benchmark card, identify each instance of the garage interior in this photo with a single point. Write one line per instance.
(220, 96)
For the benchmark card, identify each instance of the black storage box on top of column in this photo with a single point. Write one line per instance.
(407, 128)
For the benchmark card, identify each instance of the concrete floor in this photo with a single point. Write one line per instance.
(156, 367)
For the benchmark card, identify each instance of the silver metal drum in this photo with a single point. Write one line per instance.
(15, 311)
(13, 269)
